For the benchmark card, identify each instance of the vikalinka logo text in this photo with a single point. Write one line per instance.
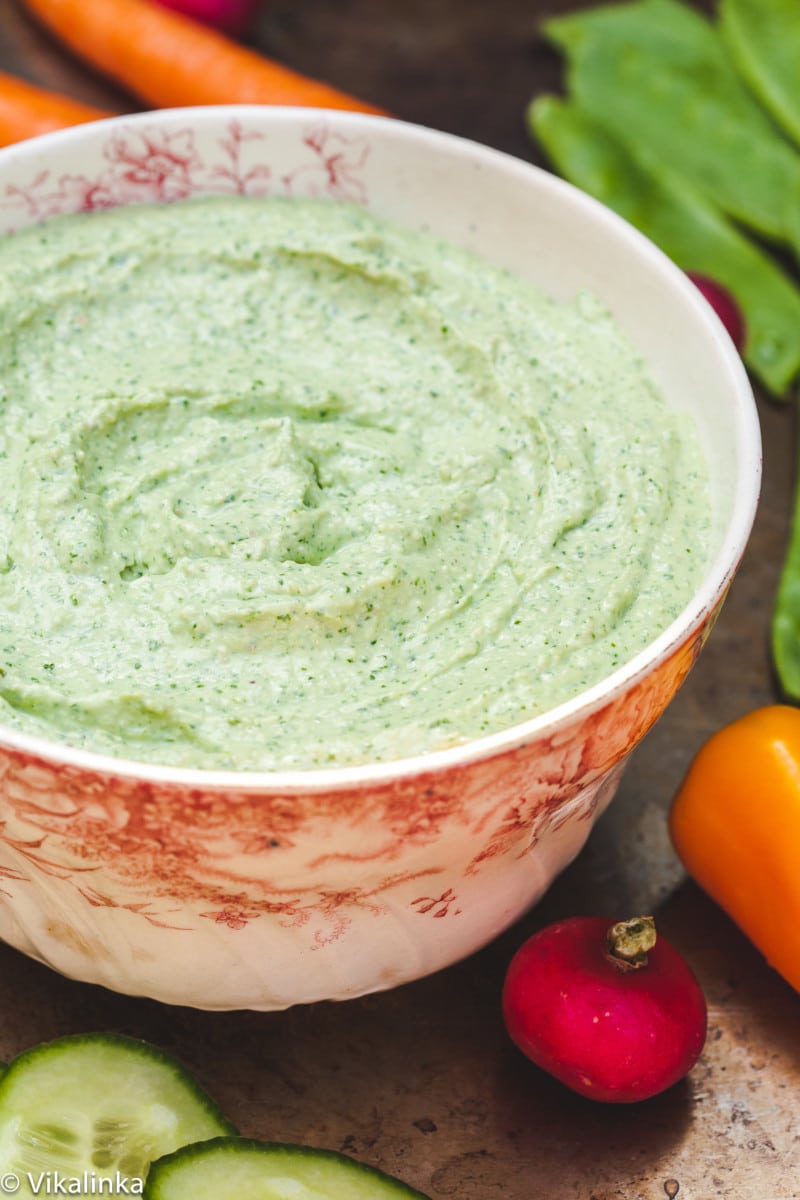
(53, 1183)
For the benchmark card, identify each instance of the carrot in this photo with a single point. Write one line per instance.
(169, 60)
(27, 110)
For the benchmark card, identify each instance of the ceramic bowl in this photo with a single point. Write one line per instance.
(231, 890)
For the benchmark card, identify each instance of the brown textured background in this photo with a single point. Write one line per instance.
(422, 1081)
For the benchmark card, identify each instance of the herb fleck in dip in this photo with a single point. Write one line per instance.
(287, 487)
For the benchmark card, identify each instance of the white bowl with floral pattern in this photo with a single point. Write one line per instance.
(228, 890)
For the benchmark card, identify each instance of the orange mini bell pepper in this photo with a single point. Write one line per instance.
(735, 824)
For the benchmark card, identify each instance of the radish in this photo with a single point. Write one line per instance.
(609, 1009)
(723, 305)
(232, 16)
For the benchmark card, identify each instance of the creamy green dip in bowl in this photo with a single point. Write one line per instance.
(369, 494)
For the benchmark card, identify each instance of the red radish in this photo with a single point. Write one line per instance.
(723, 305)
(232, 16)
(610, 1010)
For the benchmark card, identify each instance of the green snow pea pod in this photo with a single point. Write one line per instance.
(656, 73)
(785, 627)
(763, 39)
(685, 225)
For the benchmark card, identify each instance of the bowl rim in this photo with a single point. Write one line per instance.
(699, 610)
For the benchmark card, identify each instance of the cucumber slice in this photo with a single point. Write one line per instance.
(242, 1169)
(94, 1107)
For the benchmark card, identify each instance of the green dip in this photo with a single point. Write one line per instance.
(288, 487)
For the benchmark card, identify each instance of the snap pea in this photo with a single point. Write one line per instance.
(785, 626)
(684, 224)
(763, 39)
(656, 73)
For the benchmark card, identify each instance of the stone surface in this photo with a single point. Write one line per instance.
(422, 1081)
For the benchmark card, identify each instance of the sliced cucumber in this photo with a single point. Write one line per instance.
(99, 1104)
(241, 1169)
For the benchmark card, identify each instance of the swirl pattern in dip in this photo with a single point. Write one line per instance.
(288, 487)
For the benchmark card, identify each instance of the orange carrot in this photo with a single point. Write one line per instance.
(27, 110)
(169, 60)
